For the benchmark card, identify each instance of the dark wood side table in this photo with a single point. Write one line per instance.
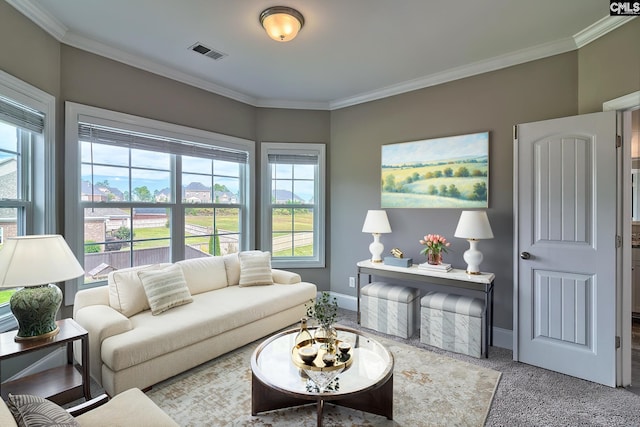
(62, 384)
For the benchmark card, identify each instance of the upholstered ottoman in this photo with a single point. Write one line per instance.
(390, 308)
(452, 322)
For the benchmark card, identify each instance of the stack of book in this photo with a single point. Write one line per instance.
(435, 267)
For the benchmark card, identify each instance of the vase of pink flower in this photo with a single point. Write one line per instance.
(435, 246)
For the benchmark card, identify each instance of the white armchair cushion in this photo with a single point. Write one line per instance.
(165, 288)
(255, 268)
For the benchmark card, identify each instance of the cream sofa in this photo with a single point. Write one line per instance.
(130, 347)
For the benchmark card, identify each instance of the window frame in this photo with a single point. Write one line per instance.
(40, 210)
(75, 113)
(293, 148)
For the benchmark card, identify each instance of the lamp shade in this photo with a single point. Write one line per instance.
(281, 23)
(376, 221)
(36, 260)
(474, 225)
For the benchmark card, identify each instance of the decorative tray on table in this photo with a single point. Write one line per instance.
(343, 359)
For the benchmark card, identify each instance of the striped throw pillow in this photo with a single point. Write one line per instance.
(165, 289)
(31, 410)
(255, 268)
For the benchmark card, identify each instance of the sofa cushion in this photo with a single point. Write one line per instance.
(32, 411)
(255, 268)
(165, 288)
(210, 314)
(126, 293)
(204, 274)
(232, 266)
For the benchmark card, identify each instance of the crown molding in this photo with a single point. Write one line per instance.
(492, 64)
(41, 18)
(599, 29)
(31, 10)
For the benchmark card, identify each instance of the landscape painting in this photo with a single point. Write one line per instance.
(449, 172)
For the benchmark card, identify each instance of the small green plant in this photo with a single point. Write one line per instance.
(90, 247)
(324, 309)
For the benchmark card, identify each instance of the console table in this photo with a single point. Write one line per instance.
(423, 278)
(62, 384)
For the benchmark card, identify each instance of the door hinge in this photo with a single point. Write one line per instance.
(515, 132)
(618, 141)
(618, 241)
(617, 342)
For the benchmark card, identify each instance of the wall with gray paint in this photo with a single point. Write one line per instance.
(609, 67)
(304, 126)
(493, 102)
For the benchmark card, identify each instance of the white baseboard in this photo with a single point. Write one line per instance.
(502, 338)
(58, 357)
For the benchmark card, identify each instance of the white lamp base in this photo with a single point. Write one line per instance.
(473, 257)
(376, 248)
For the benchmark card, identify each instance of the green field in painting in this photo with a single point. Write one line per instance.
(411, 192)
(408, 200)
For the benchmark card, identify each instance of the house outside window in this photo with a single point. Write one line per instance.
(293, 208)
(147, 192)
(27, 181)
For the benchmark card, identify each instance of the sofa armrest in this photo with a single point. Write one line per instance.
(101, 322)
(92, 296)
(88, 405)
(284, 277)
(129, 408)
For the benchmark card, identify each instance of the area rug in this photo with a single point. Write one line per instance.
(429, 390)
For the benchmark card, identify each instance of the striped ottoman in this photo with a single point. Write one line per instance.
(390, 309)
(452, 322)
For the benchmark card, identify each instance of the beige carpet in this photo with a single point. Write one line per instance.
(429, 390)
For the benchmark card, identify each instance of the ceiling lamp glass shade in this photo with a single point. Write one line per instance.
(281, 23)
(35, 263)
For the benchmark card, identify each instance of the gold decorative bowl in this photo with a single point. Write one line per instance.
(342, 359)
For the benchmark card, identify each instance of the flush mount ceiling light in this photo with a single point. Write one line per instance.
(281, 23)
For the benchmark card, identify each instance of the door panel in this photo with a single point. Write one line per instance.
(566, 220)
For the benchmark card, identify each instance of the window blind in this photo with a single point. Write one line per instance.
(122, 138)
(293, 159)
(21, 116)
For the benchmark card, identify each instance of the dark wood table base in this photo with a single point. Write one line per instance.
(377, 401)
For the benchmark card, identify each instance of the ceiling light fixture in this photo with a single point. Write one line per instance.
(281, 23)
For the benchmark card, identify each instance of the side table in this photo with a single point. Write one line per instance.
(62, 384)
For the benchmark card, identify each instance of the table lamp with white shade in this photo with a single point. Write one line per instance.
(376, 223)
(35, 263)
(473, 226)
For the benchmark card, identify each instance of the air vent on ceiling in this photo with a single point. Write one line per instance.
(207, 51)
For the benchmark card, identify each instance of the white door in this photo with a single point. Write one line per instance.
(565, 272)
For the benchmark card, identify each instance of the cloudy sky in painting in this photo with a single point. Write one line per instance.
(430, 150)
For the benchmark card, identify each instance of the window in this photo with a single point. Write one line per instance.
(293, 193)
(27, 181)
(150, 192)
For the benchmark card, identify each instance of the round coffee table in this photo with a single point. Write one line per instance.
(367, 384)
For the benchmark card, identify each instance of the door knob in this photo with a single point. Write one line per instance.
(525, 255)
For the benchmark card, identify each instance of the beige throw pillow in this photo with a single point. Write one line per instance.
(255, 268)
(126, 293)
(165, 288)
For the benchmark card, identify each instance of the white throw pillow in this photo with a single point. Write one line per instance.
(126, 293)
(232, 265)
(165, 288)
(255, 268)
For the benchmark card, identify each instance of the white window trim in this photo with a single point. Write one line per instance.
(43, 173)
(319, 219)
(73, 211)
